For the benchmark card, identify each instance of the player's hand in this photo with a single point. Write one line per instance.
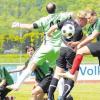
(79, 46)
(15, 24)
(72, 44)
(49, 34)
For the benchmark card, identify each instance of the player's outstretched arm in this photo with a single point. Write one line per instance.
(22, 25)
(18, 69)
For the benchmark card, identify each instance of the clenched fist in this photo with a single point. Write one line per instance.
(15, 24)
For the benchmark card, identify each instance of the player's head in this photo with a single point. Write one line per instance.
(82, 18)
(51, 7)
(91, 16)
(30, 50)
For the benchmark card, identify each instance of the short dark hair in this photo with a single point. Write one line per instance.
(51, 7)
(27, 47)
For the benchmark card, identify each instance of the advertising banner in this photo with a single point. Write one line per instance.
(89, 72)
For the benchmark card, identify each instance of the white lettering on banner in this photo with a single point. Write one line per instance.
(89, 72)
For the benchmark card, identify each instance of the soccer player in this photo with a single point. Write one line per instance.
(49, 49)
(39, 75)
(5, 79)
(67, 53)
(86, 47)
(30, 51)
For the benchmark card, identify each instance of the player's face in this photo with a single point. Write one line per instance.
(83, 21)
(90, 18)
(30, 51)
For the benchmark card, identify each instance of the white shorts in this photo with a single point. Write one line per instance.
(46, 52)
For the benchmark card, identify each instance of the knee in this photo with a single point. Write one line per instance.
(80, 51)
(34, 91)
(57, 71)
(84, 50)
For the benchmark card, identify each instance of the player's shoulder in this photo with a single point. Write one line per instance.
(97, 23)
(44, 18)
(49, 16)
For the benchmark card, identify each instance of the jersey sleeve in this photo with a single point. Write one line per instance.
(97, 28)
(41, 22)
(60, 25)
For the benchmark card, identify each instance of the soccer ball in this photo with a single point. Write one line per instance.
(68, 31)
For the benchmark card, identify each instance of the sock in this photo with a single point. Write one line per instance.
(76, 63)
(52, 88)
(22, 77)
(60, 86)
(68, 85)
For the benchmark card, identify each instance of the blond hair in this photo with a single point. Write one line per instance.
(81, 14)
(91, 11)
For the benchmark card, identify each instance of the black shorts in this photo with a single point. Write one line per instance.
(94, 49)
(44, 84)
(3, 93)
(66, 57)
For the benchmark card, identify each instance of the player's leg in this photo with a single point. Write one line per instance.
(92, 48)
(22, 77)
(54, 82)
(61, 63)
(38, 57)
(68, 83)
(79, 56)
(42, 87)
(40, 96)
(77, 60)
(60, 87)
(37, 93)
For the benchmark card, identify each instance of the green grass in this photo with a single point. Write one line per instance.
(13, 58)
(24, 93)
(17, 58)
(87, 91)
(81, 91)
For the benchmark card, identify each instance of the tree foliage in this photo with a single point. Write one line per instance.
(27, 11)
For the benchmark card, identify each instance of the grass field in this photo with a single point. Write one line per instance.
(81, 91)
(17, 58)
